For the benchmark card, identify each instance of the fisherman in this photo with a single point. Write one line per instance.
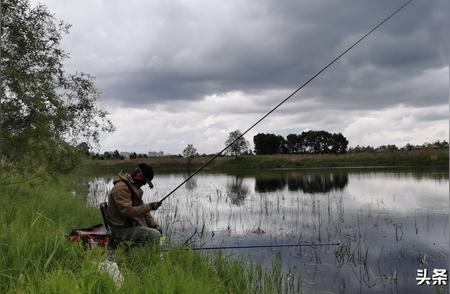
(128, 215)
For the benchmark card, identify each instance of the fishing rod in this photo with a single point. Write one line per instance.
(288, 97)
(258, 246)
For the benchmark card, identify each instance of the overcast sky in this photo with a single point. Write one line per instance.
(178, 72)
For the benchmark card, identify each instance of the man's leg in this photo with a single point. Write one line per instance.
(141, 235)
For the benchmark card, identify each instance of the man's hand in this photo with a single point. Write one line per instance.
(155, 205)
(158, 228)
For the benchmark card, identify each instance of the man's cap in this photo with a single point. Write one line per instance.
(147, 171)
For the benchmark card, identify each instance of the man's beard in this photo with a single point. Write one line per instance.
(140, 183)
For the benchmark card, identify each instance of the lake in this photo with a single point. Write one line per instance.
(389, 223)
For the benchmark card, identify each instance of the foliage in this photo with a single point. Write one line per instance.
(323, 142)
(392, 148)
(361, 149)
(35, 256)
(84, 148)
(240, 145)
(189, 152)
(307, 142)
(116, 155)
(439, 144)
(45, 111)
(386, 148)
(269, 144)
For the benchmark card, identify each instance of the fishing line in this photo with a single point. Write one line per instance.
(288, 97)
(257, 246)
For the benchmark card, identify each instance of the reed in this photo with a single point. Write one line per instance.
(36, 257)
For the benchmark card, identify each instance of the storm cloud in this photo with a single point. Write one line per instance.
(231, 61)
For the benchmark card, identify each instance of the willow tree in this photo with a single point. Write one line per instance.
(45, 111)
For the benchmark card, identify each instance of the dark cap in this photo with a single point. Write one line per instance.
(147, 171)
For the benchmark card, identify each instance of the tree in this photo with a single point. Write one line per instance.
(340, 143)
(238, 147)
(189, 152)
(44, 110)
(317, 142)
(116, 155)
(386, 148)
(361, 149)
(83, 147)
(293, 143)
(269, 144)
(440, 144)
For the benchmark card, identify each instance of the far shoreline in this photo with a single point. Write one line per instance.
(422, 159)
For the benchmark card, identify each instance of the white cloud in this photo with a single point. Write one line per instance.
(142, 130)
(399, 125)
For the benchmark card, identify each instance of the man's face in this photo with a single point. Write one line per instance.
(139, 179)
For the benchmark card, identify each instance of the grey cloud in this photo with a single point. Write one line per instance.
(269, 45)
(168, 58)
(428, 116)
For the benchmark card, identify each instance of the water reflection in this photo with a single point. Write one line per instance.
(309, 183)
(192, 183)
(267, 184)
(237, 190)
(389, 223)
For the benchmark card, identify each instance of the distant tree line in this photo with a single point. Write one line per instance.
(134, 155)
(392, 148)
(115, 155)
(310, 142)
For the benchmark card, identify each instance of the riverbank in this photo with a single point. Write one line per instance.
(36, 256)
(415, 158)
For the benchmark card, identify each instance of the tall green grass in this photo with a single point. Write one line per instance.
(36, 257)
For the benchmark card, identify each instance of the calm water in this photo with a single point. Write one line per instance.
(388, 223)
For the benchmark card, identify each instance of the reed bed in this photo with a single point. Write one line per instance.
(36, 256)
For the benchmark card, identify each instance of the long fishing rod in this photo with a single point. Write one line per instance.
(258, 246)
(288, 97)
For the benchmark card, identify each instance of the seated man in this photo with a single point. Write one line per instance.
(129, 216)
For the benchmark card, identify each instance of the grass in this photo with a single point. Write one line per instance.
(414, 158)
(36, 257)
